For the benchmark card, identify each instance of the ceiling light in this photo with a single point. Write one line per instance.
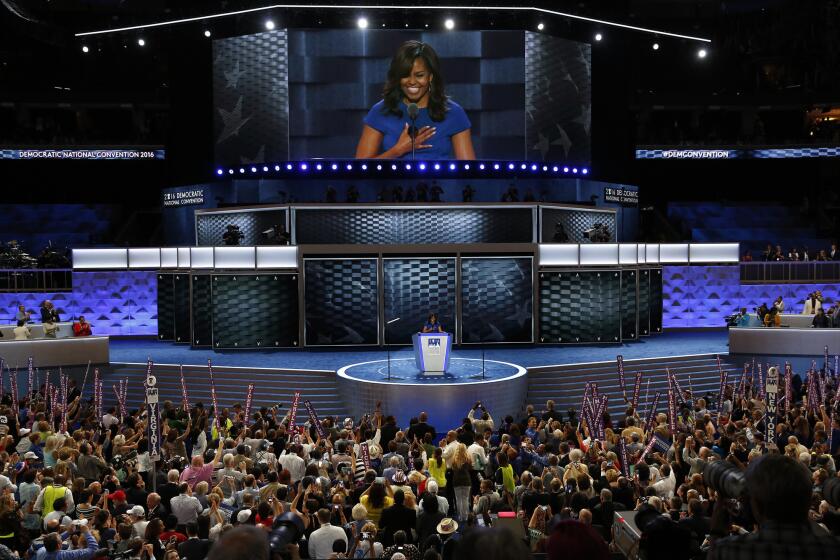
(269, 25)
(362, 23)
(449, 24)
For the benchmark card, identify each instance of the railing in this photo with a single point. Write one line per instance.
(36, 280)
(789, 272)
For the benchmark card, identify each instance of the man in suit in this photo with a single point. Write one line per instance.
(834, 254)
(193, 548)
(421, 428)
(49, 314)
(397, 518)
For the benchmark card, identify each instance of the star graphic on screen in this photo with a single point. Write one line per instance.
(495, 334)
(232, 76)
(542, 145)
(522, 314)
(562, 140)
(259, 158)
(232, 121)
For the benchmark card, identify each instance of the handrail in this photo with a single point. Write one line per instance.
(789, 272)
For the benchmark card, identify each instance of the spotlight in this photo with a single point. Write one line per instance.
(565, 170)
(511, 166)
(408, 166)
(523, 166)
(303, 167)
(449, 24)
(142, 43)
(207, 33)
(540, 26)
(242, 170)
(554, 169)
(585, 171)
(422, 167)
(334, 167)
(364, 167)
(466, 166)
(379, 168)
(276, 168)
(481, 166)
(349, 167)
(319, 167)
(452, 167)
(253, 170)
(288, 166)
(393, 166)
(574, 169)
(362, 23)
(496, 166)
(655, 46)
(85, 49)
(437, 166)
(702, 53)
(219, 171)
(545, 168)
(269, 24)
(598, 36)
(230, 171)
(265, 168)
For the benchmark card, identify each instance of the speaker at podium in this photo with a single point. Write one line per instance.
(431, 352)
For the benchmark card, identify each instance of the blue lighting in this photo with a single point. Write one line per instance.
(219, 171)
(495, 166)
(422, 167)
(379, 168)
(334, 167)
(265, 168)
(452, 167)
(481, 166)
(241, 170)
(466, 166)
(394, 166)
(437, 166)
(349, 167)
(523, 166)
(545, 168)
(230, 171)
(276, 168)
(511, 166)
(408, 166)
(565, 170)
(288, 166)
(364, 167)
(585, 171)
(303, 167)
(253, 170)
(319, 167)
(533, 167)
(554, 169)
(574, 170)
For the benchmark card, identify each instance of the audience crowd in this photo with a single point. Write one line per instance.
(777, 254)
(719, 480)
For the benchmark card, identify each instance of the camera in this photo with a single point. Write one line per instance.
(725, 478)
(598, 233)
(232, 235)
(287, 529)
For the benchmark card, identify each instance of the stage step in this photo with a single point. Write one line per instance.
(565, 384)
(270, 386)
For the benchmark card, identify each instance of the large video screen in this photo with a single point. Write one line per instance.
(293, 94)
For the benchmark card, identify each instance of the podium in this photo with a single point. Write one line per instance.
(431, 352)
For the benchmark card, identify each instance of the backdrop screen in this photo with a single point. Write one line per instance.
(302, 94)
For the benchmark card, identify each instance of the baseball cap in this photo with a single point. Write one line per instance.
(30, 455)
(137, 511)
(24, 431)
(243, 516)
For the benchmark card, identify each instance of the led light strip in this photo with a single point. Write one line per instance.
(402, 8)
(417, 167)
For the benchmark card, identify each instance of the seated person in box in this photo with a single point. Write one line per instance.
(81, 327)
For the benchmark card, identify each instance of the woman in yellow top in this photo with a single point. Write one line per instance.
(377, 497)
(437, 468)
(773, 318)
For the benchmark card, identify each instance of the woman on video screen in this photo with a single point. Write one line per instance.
(441, 129)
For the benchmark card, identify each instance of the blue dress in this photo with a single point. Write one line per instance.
(391, 127)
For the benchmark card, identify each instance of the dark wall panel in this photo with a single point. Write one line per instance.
(497, 299)
(182, 308)
(629, 305)
(580, 306)
(342, 305)
(255, 310)
(413, 289)
(201, 308)
(166, 306)
(656, 300)
(211, 226)
(644, 302)
(414, 225)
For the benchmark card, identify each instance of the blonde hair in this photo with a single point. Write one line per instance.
(460, 458)
(50, 444)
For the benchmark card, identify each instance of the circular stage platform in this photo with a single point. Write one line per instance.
(447, 397)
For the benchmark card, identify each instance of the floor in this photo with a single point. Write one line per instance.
(672, 343)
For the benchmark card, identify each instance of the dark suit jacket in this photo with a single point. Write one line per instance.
(397, 518)
(194, 549)
(427, 525)
(47, 313)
